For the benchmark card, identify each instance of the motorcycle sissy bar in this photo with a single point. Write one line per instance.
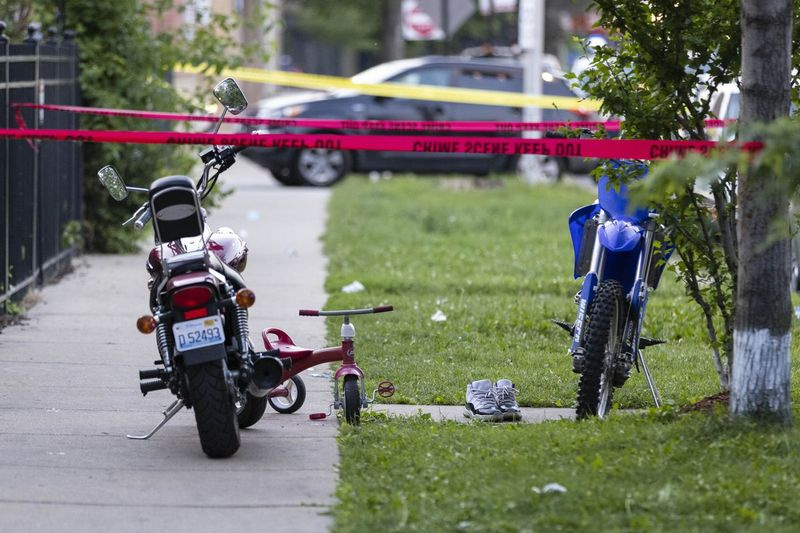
(168, 413)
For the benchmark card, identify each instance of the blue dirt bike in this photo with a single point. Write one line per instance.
(615, 252)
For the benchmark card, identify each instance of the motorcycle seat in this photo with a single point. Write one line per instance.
(284, 343)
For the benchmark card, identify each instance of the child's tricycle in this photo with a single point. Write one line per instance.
(290, 395)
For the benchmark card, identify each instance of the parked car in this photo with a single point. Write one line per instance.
(323, 167)
(725, 105)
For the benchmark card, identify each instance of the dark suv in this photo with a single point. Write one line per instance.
(322, 168)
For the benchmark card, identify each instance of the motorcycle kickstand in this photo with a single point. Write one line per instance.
(650, 383)
(168, 413)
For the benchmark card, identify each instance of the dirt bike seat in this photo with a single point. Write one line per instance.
(284, 343)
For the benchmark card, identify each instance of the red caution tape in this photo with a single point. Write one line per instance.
(600, 148)
(390, 125)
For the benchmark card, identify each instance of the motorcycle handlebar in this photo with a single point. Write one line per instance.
(142, 220)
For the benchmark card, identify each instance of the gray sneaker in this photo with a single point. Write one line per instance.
(481, 403)
(506, 396)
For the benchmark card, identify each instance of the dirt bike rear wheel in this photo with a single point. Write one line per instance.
(600, 342)
(214, 410)
(352, 400)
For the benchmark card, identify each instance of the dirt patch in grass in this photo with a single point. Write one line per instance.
(709, 403)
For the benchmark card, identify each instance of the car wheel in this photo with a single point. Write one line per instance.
(552, 168)
(319, 167)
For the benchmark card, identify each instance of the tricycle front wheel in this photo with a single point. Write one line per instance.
(290, 403)
(352, 400)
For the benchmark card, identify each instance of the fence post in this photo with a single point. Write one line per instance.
(4, 264)
(34, 39)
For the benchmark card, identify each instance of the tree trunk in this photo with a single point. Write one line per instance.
(393, 43)
(762, 338)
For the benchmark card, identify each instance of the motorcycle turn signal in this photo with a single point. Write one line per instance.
(146, 324)
(245, 298)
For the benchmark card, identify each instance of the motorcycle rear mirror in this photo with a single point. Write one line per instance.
(112, 181)
(231, 96)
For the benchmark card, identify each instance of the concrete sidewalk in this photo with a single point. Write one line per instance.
(69, 394)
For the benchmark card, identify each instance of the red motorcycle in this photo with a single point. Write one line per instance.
(199, 303)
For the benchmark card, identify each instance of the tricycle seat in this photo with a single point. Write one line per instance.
(284, 343)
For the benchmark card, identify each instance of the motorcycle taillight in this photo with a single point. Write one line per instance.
(191, 297)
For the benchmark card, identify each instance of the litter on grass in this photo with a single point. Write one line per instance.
(356, 286)
(550, 487)
(438, 316)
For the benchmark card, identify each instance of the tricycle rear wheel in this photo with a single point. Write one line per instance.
(291, 403)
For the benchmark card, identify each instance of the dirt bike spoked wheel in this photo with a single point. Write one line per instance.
(252, 411)
(214, 410)
(296, 395)
(352, 400)
(601, 341)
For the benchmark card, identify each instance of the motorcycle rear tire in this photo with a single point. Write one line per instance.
(352, 401)
(252, 411)
(595, 388)
(214, 410)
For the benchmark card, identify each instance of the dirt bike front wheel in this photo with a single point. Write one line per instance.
(600, 342)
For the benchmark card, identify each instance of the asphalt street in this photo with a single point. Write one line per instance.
(69, 394)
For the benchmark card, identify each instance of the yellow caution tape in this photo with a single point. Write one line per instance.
(399, 90)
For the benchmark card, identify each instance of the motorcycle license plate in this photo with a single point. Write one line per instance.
(198, 333)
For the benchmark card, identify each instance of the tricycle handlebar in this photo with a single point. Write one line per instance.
(342, 312)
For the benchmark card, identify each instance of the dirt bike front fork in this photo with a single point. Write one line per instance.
(168, 413)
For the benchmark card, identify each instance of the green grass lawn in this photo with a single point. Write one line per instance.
(498, 263)
(630, 473)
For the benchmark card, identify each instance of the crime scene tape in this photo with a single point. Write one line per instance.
(390, 125)
(599, 148)
(400, 90)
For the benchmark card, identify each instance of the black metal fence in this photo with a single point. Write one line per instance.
(40, 181)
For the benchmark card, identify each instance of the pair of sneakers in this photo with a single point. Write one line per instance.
(492, 402)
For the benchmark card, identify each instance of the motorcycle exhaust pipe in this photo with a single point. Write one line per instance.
(150, 386)
(267, 374)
